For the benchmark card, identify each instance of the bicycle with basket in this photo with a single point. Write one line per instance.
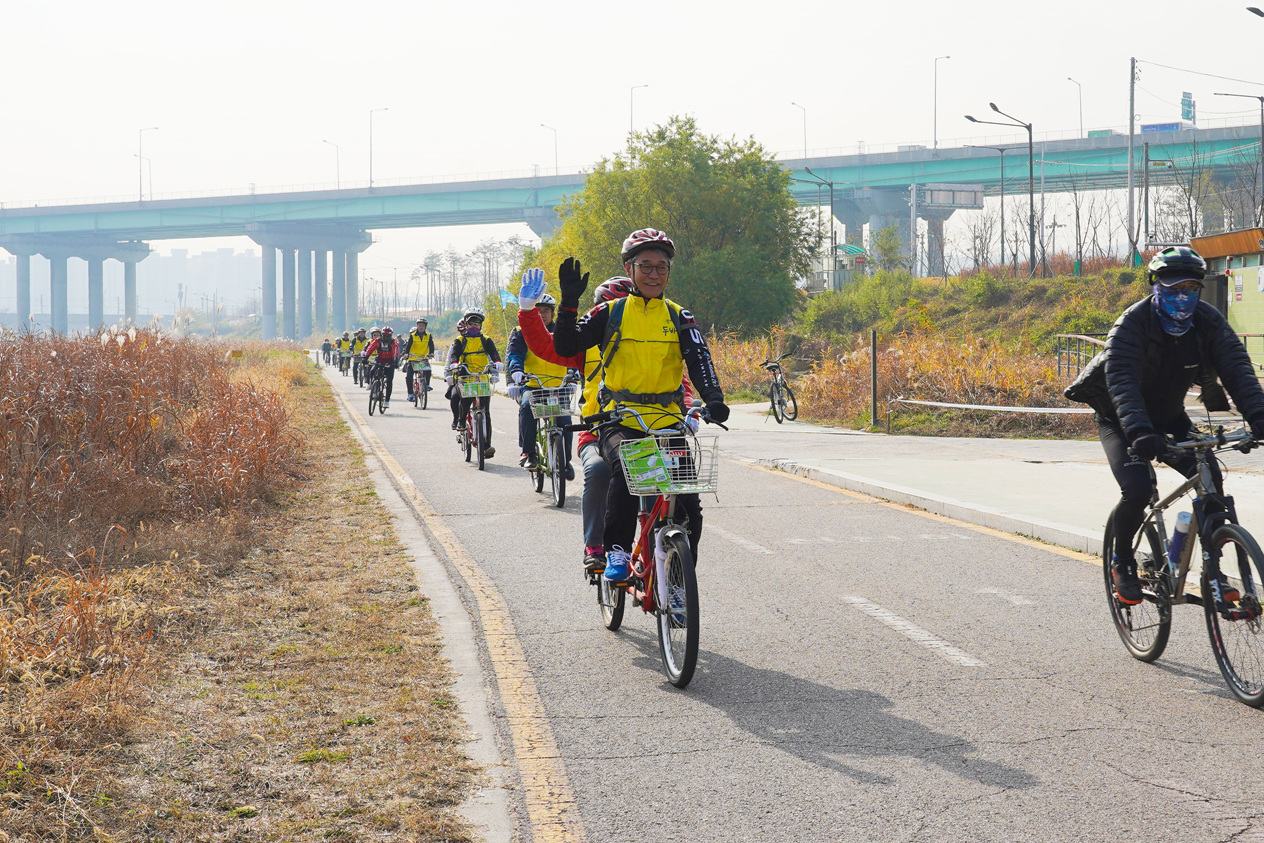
(476, 385)
(659, 467)
(548, 405)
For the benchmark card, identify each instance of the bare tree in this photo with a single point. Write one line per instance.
(980, 232)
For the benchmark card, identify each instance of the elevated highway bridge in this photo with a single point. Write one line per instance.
(316, 231)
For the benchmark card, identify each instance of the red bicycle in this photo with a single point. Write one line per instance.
(658, 467)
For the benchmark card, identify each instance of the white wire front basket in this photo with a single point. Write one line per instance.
(551, 402)
(475, 386)
(670, 463)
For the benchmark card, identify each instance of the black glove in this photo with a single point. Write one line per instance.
(718, 411)
(572, 283)
(1257, 427)
(1149, 445)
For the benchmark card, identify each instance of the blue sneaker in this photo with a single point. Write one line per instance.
(676, 601)
(618, 565)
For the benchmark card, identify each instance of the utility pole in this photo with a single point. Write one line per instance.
(1132, 131)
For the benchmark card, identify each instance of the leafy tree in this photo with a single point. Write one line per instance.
(889, 249)
(740, 236)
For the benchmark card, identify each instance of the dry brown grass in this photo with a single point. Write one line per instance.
(249, 658)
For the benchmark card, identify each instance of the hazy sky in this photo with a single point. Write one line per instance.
(246, 92)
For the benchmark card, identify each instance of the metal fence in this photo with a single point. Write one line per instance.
(1075, 350)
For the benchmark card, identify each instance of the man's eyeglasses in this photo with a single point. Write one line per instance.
(653, 268)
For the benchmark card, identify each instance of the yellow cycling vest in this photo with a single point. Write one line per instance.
(588, 400)
(418, 342)
(474, 354)
(550, 374)
(643, 363)
(343, 345)
(359, 344)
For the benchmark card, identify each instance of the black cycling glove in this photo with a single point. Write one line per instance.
(571, 282)
(718, 411)
(1149, 445)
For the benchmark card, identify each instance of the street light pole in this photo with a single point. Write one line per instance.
(554, 131)
(140, 163)
(1002, 150)
(805, 128)
(632, 107)
(1081, 88)
(1031, 179)
(371, 113)
(936, 118)
(337, 163)
(1259, 174)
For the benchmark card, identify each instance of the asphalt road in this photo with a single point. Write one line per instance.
(867, 672)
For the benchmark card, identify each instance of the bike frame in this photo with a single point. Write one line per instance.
(1206, 490)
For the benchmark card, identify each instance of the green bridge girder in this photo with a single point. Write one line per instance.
(1085, 164)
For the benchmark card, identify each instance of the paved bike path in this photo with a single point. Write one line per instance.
(1058, 491)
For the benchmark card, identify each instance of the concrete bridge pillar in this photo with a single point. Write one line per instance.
(287, 293)
(96, 292)
(129, 291)
(338, 305)
(353, 287)
(322, 290)
(303, 327)
(24, 292)
(268, 304)
(58, 312)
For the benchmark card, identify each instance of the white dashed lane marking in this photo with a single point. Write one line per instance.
(1016, 599)
(914, 632)
(734, 538)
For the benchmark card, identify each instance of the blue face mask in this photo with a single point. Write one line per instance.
(473, 330)
(1175, 308)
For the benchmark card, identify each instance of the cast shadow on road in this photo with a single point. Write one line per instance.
(823, 725)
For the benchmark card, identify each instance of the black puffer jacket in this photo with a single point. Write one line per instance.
(1142, 376)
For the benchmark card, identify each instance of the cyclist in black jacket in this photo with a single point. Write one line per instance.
(1156, 350)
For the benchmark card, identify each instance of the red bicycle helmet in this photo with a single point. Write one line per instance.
(647, 238)
(618, 287)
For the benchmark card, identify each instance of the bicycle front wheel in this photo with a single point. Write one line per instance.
(373, 397)
(557, 468)
(789, 407)
(1145, 627)
(678, 627)
(774, 396)
(479, 445)
(1237, 635)
(467, 439)
(425, 394)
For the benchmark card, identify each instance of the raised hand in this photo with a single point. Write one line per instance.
(572, 282)
(532, 289)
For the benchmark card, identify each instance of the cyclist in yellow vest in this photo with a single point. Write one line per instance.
(473, 351)
(419, 344)
(523, 362)
(645, 338)
(342, 346)
(358, 344)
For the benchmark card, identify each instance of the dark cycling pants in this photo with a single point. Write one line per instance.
(1133, 477)
(622, 505)
(387, 373)
(424, 380)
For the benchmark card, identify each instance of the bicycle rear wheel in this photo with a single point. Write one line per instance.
(557, 468)
(610, 601)
(774, 396)
(678, 626)
(1145, 627)
(1238, 640)
(789, 407)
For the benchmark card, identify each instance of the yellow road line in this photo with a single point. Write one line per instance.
(933, 516)
(551, 807)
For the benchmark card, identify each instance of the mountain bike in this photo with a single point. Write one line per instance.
(658, 467)
(1236, 627)
(549, 405)
(421, 381)
(472, 437)
(779, 393)
(377, 387)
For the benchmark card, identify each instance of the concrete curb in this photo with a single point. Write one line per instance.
(1062, 535)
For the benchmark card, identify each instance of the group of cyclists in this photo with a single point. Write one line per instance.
(377, 353)
(634, 348)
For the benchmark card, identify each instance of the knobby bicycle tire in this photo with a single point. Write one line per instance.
(677, 634)
(557, 468)
(789, 407)
(1238, 644)
(1144, 628)
(774, 397)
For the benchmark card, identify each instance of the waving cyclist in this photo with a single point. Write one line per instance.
(523, 362)
(418, 345)
(646, 341)
(1157, 349)
(473, 351)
